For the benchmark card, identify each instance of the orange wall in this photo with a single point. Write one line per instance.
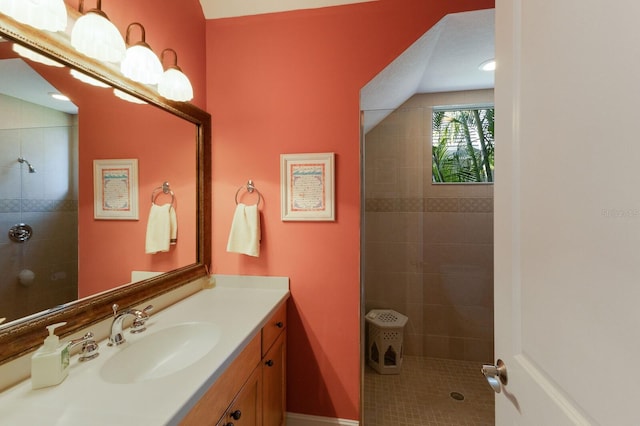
(165, 148)
(290, 83)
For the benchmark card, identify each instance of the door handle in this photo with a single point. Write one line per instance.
(495, 375)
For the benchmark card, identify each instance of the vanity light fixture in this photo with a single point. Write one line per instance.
(95, 36)
(87, 79)
(50, 15)
(489, 65)
(33, 56)
(174, 84)
(140, 63)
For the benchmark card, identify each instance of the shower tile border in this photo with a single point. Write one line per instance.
(430, 205)
(37, 205)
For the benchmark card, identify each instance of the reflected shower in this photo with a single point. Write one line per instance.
(31, 168)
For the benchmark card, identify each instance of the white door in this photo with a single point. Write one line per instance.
(567, 211)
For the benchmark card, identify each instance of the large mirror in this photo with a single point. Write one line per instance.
(47, 155)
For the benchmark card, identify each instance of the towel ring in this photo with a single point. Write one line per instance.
(164, 189)
(250, 187)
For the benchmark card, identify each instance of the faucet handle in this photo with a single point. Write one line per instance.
(89, 350)
(89, 346)
(138, 325)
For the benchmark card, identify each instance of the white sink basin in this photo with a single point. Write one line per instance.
(160, 353)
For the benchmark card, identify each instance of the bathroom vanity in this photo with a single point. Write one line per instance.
(251, 391)
(216, 357)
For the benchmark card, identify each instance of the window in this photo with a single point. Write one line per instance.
(462, 144)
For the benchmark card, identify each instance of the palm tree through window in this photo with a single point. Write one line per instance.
(463, 144)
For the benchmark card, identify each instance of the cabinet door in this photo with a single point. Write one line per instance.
(215, 403)
(246, 408)
(274, 370)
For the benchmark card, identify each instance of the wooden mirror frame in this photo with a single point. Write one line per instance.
(24, 336)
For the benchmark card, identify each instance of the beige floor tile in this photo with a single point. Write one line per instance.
(421, 395)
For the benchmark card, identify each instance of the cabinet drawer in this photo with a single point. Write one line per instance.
(274, 327)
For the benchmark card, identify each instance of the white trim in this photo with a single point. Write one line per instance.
(295, 419)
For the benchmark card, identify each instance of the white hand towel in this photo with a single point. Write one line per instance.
(244, 236)
(173, 226)
(161, 228)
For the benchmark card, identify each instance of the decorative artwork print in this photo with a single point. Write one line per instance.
(115, 189)
(307, 187)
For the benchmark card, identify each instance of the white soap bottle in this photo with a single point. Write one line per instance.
(50, 363)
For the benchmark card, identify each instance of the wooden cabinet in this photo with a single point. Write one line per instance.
(274, 370)
(252, 390)
(246, 408)
(216, 401)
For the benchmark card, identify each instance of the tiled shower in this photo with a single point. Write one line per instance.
(428, 247)
(41, 272)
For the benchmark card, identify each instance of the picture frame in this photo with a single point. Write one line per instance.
(115, 184)
(307, 187)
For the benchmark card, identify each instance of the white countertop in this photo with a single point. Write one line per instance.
(239, 305)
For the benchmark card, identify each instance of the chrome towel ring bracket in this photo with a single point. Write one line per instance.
(164, 189)
(250, 187)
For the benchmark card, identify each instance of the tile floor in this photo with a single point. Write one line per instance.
(420, 395)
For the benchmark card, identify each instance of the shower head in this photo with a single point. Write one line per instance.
(31, 168)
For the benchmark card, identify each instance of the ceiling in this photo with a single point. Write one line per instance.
(446, 58)
(20, 81)
(214, 9)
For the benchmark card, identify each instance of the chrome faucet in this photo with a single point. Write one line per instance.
(140, 318)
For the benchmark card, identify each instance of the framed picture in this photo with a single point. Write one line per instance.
(307, 186)
(115, 185)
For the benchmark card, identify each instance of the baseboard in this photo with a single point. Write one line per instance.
(295, 419)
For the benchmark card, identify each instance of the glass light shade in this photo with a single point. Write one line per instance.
(141, 64)
(127, 97)
(175, 85)
(33, 56)
(95, 36)
(87, 79)
(50, 15)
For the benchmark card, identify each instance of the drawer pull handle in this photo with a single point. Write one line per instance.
(269, 363)
(279, 324)
(236, 415)
(228, 424)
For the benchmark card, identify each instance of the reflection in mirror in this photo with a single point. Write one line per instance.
(37, 130)
(50, 181)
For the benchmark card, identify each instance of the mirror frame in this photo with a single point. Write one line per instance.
(26, 335)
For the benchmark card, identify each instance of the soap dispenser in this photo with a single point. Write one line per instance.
(50, 363)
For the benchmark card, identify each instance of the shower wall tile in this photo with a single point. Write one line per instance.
(393, 257)
(437, 257)
(10, 183)
(44, 200)
(395, 227)
(428, 247)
